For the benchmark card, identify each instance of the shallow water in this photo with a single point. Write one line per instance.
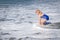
(17, 19)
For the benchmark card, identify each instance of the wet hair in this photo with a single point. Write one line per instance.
(38, 10)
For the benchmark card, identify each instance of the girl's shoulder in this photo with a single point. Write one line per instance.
(45, 14)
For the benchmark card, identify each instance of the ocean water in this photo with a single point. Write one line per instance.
(18, 19)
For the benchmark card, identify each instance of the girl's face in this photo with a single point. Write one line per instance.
(38, 12)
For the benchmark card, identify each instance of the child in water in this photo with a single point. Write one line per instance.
(42, 17)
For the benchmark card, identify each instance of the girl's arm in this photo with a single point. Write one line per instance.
(39, 20)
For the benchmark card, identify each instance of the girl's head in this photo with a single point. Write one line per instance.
(38, 12)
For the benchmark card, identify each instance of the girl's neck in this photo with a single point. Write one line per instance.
(41, 14)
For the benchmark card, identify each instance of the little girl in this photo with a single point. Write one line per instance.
(42, 17)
